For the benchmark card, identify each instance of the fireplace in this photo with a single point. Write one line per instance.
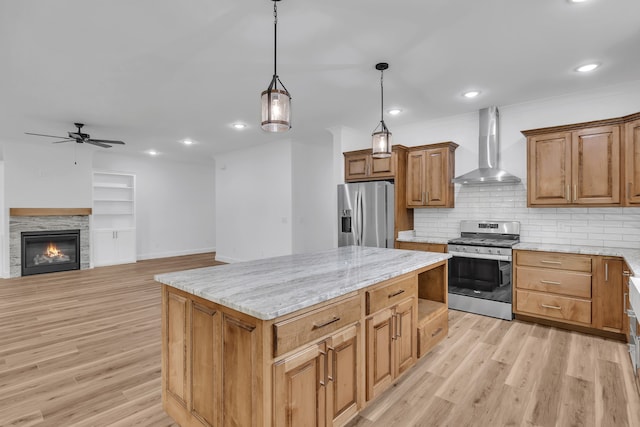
(50, 251)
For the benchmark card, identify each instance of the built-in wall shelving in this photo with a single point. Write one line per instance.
(113, 218)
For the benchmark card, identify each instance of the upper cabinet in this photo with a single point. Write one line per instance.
(632, 157)
(430, 169)
(362, 166)
(582, 164)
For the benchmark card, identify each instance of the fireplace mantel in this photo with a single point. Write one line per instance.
(49, 211)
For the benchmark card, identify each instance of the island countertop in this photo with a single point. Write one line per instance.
(272, 287)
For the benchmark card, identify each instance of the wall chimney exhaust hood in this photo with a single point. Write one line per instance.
(488, 171)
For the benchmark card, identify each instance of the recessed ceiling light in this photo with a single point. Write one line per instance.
(187, 142)
(587, 67)
(577, 1)
(239, 125)
(395, 111)
(152, 152)
(471, 94)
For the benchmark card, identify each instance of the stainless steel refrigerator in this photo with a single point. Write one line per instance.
(365, 214)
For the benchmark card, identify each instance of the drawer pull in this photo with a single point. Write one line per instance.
(555, 307)
(545, 261)
(437, 331)
(550, 282)
(323, 324)
(395, 294)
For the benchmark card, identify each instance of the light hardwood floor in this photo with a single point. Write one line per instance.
(83, 348)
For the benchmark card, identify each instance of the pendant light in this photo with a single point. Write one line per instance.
(381, 139)
(276, 103)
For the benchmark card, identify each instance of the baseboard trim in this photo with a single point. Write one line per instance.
(168, 254)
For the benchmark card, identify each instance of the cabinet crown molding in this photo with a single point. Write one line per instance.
(577, 126)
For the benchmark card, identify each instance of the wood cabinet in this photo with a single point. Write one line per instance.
(430, 170)
(420, 246)
(361, 166)
(208, 380)
(318, 386)
(632, 161)
(581, 167)
(391, 340)
(581, 290)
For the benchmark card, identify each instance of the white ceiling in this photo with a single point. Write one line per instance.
(153, 72)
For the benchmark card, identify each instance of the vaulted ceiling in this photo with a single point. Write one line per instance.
(154, 72)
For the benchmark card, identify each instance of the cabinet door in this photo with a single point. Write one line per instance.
(356, 166)
(342, 388)
(380, 354)
(125, 246)
(205, 364)
(549, 169)
(416, 179)
(383, 168)
(610, 295)
(436, 173)
(596, 165)
(405, 335)
(632, 157)
(299, 388)
(104, 248)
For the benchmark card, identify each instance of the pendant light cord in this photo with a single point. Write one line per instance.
(381, 99)
(275, 37)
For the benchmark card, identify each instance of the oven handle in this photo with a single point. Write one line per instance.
(481, 256)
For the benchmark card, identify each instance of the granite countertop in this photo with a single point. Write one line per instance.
(272, 287)
(422, 240)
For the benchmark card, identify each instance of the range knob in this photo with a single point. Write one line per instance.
(477, 250)
(489, 251)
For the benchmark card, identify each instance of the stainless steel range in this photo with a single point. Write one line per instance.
(480, 270)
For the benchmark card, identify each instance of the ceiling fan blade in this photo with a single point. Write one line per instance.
(99, 144)
(107, 141)
(40, 134)
(64, 140)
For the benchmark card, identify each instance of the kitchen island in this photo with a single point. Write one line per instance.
(296, 340)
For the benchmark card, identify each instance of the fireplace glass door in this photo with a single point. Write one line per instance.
(50, 251)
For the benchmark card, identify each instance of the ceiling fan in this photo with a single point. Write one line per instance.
(80, 138)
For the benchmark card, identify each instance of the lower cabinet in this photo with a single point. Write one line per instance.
(318, 386)
(576, 289)
(112, 247)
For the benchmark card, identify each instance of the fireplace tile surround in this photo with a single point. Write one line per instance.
(45, 219)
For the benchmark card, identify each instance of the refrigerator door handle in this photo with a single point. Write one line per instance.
(356, 220)
(361, 219)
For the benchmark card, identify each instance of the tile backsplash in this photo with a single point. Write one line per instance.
(604, 227)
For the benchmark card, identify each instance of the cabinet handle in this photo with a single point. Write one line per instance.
(544, 261)
(550, 282)
(575, 193)
(606, 271)
(555, 307)
(426, 196)
(568, 194)
(323, 324)
(398, 325)
(624, 302)
(437, 331)
(323, 380)
(330, 363)
(626, 273)
(395, 294)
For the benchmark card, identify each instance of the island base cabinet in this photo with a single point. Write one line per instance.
(318, 385)
(391, 345)
(209, 366)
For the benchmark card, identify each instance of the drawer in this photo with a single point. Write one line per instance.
(391, 293)
(554, 281)
(300, 330)
(432, 332)
(554, 306)
(554, 260)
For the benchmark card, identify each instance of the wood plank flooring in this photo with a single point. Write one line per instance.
(82, 348)
(491, 372)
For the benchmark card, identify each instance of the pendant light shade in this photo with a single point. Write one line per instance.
(381, 139)
(276, 101)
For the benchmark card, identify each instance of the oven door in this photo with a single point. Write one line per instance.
(487, 277)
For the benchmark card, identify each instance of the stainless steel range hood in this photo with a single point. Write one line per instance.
(488, 171)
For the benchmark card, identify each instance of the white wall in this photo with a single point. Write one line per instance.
(254, 202)
(314, 194)
(47, 175)
(4, 227)
(175, 204)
